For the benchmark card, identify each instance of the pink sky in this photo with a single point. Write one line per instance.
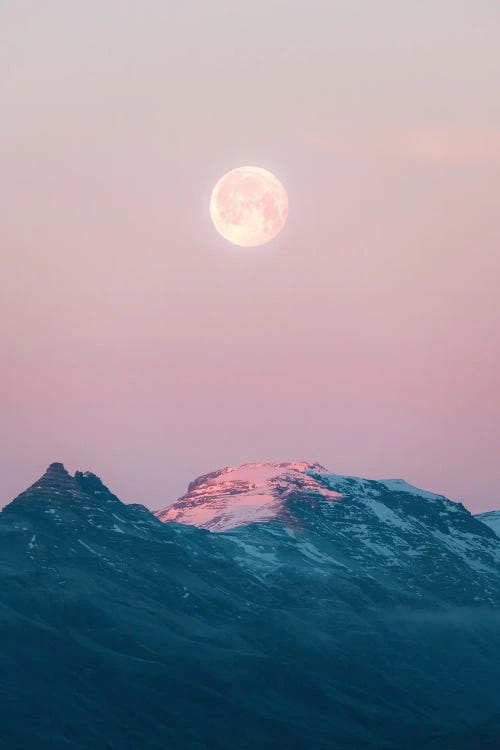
(138, 344)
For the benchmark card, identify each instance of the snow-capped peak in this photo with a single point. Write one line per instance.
(238, 495)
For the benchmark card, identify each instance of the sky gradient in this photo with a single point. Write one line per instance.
(140, 345)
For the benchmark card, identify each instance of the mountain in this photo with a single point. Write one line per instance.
(328, 612)
(491, 519)
(244, 494)
(387, 528)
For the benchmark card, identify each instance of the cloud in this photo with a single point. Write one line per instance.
(474, 148)
(459, 147)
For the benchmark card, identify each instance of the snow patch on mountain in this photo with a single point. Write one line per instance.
(399, 485)
(491, 519)
(385, 514)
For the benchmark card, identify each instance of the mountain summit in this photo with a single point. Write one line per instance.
(237, 495)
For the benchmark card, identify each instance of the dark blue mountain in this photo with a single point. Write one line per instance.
(345, 614)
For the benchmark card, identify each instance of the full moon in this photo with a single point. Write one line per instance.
(249, 206)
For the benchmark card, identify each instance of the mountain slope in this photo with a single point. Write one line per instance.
(368, 620)
(491, 519)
